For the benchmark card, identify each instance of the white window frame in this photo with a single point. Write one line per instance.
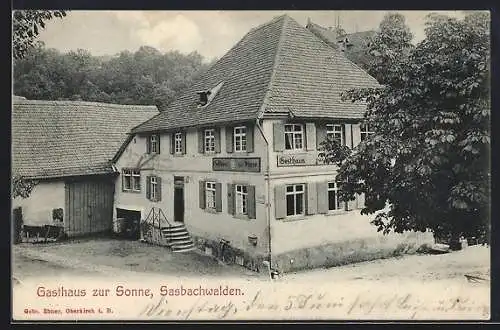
(296, 192)
(335, 131)
(136, 177)
(178, 143)
(336, 189)
(210, 195)
(241, 199)
(240, 138)
(127, 173)
(153, 143)
(295, 137)
(153, 187)
(364, 131)
(209, 140)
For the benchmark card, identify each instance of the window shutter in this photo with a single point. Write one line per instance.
(202, 194)
(310, 136)
(251, 202)
(172, 143)
(158, 138)
(312, 204)
(280, 201)
(279, 136)
(322, 193)
(356, 135)
(148, 144)
(351, 205)
(158, 185)
(320, 135)
(217, 140)
(230, 198)
(361, 201)
(348, 135)
(229, 138)
(148, 187)
(201, 145)
(218, 197)
(250, 129)
(184, 142)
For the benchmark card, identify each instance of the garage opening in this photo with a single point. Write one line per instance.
(128, 223)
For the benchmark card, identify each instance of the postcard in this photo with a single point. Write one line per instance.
(250, 165)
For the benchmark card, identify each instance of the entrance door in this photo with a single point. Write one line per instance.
(178, 198)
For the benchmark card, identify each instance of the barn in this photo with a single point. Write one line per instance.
(66, 147)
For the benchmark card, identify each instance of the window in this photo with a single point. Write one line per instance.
(295, 200)
(335, 132)
(127, 179)
(240, 138)
(131, 180)
(294, 137)
(365, 131)
(153, 187)
(210, 190)
(241, 199)
(153, 142)
(209, 139)
(178, 143)
(333, 197)
(136, 180)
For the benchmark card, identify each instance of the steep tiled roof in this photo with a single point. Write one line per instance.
(65, 138)
(279, 66)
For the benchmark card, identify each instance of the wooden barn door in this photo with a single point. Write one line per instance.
(89, 206)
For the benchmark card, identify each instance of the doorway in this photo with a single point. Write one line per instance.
(129, 223)
(178, 199)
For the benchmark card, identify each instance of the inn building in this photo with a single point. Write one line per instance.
(234, 158)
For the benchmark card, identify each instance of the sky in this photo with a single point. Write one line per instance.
(210, 33)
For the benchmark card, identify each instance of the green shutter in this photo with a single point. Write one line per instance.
(250, 135)
(217, 140)
(230, 198)
(310, 136)
(279, 136)
(280, 201)
(202, 201)
(356, 135)
(183, 143)
(229, 139)
(361, 201)
(312, 203)
(322, 193)
(320, 135)
(148, 187)
(201, 146)
(251, 202)
(348, 135)
(158, 185)
(218, 197)
(172, 143)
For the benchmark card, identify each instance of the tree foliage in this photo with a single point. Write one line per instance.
(144, 77)
(427, 164)
(26, 25)
(22, 187)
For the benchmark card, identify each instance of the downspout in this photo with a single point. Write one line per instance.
(268, 206)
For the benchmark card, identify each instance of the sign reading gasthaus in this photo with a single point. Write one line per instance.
(236, 164)
(298, 160)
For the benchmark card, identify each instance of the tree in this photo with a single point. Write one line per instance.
(390, 46)
(22, 187)
(26, 25)
(427, 164)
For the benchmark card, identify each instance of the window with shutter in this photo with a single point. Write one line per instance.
(230, 198)
(217, 140)
(218, 197)
(310, 136)
(148, 187)
(158, 189)
(250, 138)
(201, 195)
(210, 195)
(320, 135)
(251, 202)
(295, 200)
(240, 139)
(322, 193)
(312, 203)
(279, 202)
(279, 137)
(229, 139)
(201, 146)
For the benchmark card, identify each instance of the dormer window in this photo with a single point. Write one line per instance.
(203, 97)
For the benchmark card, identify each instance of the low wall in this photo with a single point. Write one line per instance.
(229, 254)
(351, 251)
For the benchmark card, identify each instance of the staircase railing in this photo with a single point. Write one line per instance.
(152, 225)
